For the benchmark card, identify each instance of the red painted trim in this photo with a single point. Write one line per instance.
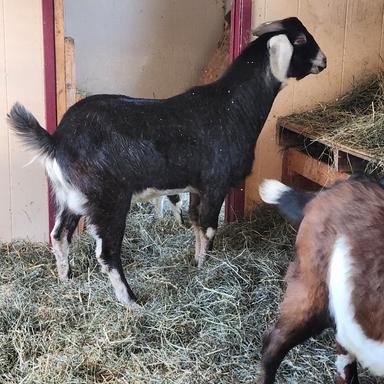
(241, 14)
(50, 82)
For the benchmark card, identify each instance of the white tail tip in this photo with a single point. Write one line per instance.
(271, 190)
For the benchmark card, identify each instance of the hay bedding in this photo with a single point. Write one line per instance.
(355, 120)
(194, 327)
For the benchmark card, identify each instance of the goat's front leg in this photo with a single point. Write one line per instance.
(209, 210)
(346, 367)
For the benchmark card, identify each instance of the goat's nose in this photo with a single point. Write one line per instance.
(319, 62)
(323, 63)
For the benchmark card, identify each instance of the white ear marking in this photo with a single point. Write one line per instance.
(280, 54)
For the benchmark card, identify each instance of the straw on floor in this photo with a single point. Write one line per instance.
(194, 327)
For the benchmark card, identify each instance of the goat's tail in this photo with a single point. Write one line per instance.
(33, 135)
(291, 203)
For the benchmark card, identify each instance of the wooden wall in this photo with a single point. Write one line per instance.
(23, 191)
(350, 32)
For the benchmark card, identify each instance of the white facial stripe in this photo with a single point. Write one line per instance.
(280, 54)
(350, 335)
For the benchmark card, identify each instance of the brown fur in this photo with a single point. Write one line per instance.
(354, 209)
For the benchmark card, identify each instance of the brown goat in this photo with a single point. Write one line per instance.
(337, 278)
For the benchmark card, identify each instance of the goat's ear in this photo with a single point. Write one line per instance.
(280, 54)
(301, 39)
(270, 26)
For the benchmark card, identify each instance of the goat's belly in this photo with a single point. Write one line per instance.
(152, 193)
(369, 352)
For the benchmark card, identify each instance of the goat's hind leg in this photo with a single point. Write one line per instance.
(346, 367)
(108, 231)
(298, 320)
(61, 238)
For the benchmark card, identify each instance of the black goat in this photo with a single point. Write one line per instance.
(108, 148)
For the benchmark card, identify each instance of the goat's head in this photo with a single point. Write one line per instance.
(293, 50)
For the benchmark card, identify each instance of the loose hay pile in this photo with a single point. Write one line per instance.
(194, 327)
(355, 120)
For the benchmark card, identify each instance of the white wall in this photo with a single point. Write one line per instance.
(24, 191)
(143, 48)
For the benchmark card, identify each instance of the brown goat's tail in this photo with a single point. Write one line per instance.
(32, 134)
(291, 203)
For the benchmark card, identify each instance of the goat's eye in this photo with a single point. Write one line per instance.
(300, 39)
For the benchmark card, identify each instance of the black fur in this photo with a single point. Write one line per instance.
(292, 203)
(30, 131)
(111, 146)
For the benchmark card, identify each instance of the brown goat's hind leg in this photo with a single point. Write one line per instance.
(298, 320)
(346, 367)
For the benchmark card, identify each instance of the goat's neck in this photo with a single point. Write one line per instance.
(251, 88)
(250, 102)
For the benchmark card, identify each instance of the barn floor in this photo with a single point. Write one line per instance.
(194, 327)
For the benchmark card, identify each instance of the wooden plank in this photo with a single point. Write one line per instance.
(61, 106)
(306, 131)
(362, 40)
(312, 169)
(70, 71)
(326, 22)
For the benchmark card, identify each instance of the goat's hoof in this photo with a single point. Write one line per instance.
(65, 276)
(131, 304)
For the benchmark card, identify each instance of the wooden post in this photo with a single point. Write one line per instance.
(61, 106)
(240, 33)
(70, 72)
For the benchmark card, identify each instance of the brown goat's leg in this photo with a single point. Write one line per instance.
(298, 320)
(346, 367)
